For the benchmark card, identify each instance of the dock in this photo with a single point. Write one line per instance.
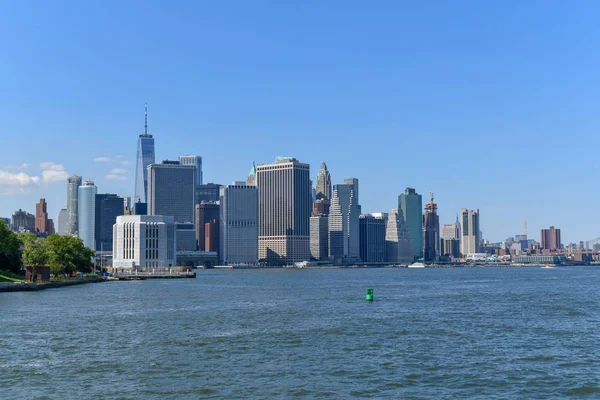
(143, 275)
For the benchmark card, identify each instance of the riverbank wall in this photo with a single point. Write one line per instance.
(30, 286)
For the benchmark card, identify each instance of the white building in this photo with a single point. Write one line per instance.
(86, 213)
(471, 233)
(144, 241)
(238, 221)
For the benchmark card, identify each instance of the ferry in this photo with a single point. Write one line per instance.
(417, 265)
(224, 266)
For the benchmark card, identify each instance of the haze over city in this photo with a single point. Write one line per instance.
(491, 108)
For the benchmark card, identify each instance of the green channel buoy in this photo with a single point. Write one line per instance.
(369, 296)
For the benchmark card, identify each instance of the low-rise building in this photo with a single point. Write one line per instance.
(144, 242)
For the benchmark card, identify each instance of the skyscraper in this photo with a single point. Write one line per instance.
(73, 184)
(86, 211)
(207, 193)
(398, 240)
(550, 239)
(195, 161)
(145, 157)
(22, 221)
(372, 237)
(450, 239)
(344, 214)
(41, 216)
(284, 198)
(171, 188)
(205, 214)
(108, 208)
(471, 234)
(63, 218)
(324, 183)
(410, 204)
(431, 232)
(238, 224)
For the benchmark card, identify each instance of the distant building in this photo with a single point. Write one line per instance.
(319, 236)
(51, 229)
(108, 208)
(185, 233)
(63, 220)
(73, 183)
(410, 204)
(320, 207)
(22, 221)
(144, 241)
(140, 208)
(207, 213)
(399, 247)
(207, 193)
(238, 243)
(284, 200)
(372, 237)
(251, 180)
(431, 227)
(550, 239)
(195, 161)
(171, 191)
(450, 248)
(41, 216)
(323, 190)
(344, 227)
(86, 211)
(145, 157)
(471, 233)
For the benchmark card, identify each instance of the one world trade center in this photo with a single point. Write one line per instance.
(145, 157)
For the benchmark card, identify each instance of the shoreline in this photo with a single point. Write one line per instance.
(30, 286)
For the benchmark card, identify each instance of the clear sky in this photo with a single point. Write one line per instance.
(489, 104)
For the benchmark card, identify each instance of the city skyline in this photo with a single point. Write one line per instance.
(300, 94)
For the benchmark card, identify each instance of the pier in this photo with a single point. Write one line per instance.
(158, 274)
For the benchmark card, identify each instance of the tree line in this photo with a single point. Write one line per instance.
(64, 254)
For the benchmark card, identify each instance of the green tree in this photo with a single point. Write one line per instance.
(35, 251)
(10, 250)
(68, 254)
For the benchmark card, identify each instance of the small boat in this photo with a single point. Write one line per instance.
(548, 266)
(417, 265)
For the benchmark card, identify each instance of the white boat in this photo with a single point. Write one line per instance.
(417, 265)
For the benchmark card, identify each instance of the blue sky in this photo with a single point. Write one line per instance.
(490, 105)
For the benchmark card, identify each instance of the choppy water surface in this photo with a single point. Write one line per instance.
(445, 333)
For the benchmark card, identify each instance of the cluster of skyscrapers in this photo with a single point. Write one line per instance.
(274, 217)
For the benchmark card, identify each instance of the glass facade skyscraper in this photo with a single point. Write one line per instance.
(410, 204)
(196, 161)
(87, 214)
(145, 157)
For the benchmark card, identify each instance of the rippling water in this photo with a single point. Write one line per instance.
(444, 333)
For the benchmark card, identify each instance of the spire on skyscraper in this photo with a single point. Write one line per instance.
(146, 119)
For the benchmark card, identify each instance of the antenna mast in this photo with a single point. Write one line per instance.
(146, 119)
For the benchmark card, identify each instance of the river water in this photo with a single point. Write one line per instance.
(480, 333)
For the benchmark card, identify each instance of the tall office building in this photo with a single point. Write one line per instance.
(471, 234)
(319, 236)
(323, 183)
(372, 237)
(108, 208)
(207, 213)
(398, 240)
(41, 217)
(344, 214)
(450, 239)
(145, 157)
(431, 232)
(86, 212)
(73, 183)
(171, 189)
(320, 207)
(550, 239)
(22, 221)
(144, 241)
(238, 230)
(284, 198)
(207, 193)
(410, 204)
(195, 161)
(63, 219)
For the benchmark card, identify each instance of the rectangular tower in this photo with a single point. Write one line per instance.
(284, 200)
(238, 224)
(171, 189)
(471, 234)
(410, 204)
(108, 208)
(195, 161)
